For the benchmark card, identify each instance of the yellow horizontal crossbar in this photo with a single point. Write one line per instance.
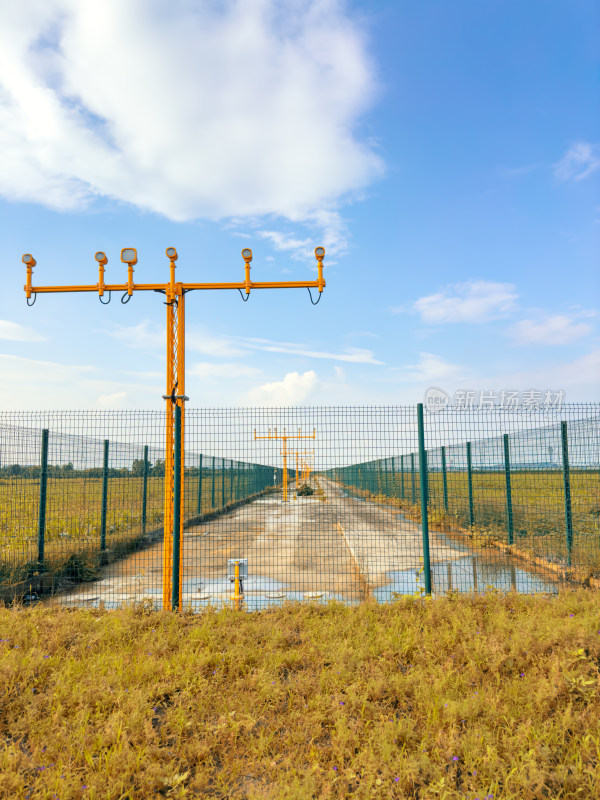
(154, 287)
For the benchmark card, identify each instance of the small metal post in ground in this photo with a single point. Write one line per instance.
(424, 498)
(444, 479)
(43, 495)
(176, 508)
(470, 485)
(509, 510)
(145, 489)
(104, 497)
(567, 490)
(199, 503)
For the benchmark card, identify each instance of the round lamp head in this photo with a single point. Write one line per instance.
(319, 252)
(247, 254)
(101, 258)
(171, 253)
(129, 255)
(28, 259)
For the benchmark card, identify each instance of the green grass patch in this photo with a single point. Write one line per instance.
(493, 696)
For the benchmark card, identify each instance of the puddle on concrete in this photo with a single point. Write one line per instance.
(468, 574)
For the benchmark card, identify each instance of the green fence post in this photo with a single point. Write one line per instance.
(199, 503)
(223, 482)
(43, 496)
(509, 510)
(567, 488)
(444, 479)
(402, 477)
(176, 509)
(412, 479)
(394, 476)
(424, 499)
(470, 485)
(104, 497)
(212, 490)
(145, 489)
(387, 481)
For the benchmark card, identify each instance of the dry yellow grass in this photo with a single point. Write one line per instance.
(458, 697)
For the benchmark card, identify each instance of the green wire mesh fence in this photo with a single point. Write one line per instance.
(512, 498)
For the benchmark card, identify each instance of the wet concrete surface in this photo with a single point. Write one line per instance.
(315, 548)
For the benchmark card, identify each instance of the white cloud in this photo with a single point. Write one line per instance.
(558, 329)
(578, 162)
(188, 109)
(145, 335)
(229, 371)
(114, 400)
(294, 389)
(14, 332)
(355, 355)
(472, 301)
(431, 369)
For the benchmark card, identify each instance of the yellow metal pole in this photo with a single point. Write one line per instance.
(181, 402)
(169, 428)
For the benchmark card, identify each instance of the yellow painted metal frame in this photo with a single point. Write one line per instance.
(175, 388)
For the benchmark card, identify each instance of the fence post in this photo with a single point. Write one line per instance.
(43, 495)
(444, 479)
(470, 485)
(394, 476)
(424, 499)
(387, 481)
(402, 477)
(567, 488)
(223, 482)
(212, 490)
(509, 510)
(412, 479)
(176, 509)
(199, 503)
(145, 489)
(104, 497)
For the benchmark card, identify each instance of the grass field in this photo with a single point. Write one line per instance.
(493, 696)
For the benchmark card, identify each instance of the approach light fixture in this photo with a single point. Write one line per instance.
(247, 254)
(171, 253)
(129, 256)
(29, 260)
(320, 253)
(101, 258)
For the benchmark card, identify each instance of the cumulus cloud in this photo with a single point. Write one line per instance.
(557, 329)
(580, 161)
(14, 332)
(472, 301)
(188, 109)
(113, 400)
(293, 390)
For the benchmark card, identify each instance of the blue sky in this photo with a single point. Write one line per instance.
(446, 154)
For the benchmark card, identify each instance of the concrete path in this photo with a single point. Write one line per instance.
(328, 545)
